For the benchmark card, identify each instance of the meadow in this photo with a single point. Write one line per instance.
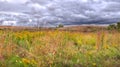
(56, 48)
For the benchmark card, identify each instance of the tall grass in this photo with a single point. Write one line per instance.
(59, 49)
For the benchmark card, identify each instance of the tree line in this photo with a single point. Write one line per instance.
(114, 26)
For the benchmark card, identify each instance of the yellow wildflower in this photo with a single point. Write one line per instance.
(34, 62)
(94, 64)
(25, 60)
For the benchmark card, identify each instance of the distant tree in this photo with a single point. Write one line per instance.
(112, 27)
(118, 26)
(60, 25)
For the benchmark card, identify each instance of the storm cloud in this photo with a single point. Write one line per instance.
(70, 12)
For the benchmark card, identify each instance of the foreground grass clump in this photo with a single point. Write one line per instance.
(59, 49)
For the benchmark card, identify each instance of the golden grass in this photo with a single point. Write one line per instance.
(59, 49)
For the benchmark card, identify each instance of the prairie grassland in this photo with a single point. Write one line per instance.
(59, 49)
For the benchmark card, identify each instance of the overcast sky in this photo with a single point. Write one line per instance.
(68, 11)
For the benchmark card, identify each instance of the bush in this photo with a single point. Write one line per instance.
(60, 25)
(112, 27)
(118, 26)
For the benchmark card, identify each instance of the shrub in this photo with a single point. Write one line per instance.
(112, 27)
(118, 26)
(60, 25)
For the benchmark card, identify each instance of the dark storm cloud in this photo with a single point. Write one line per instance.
(112, 0)
(82, 11)
(112, 7)
(75, 11)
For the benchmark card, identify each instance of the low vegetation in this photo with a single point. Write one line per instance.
(59, 49)
(60, 26)
(114, 26)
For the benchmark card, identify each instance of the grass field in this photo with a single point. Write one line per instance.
(56, 48)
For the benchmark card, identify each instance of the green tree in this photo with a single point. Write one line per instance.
(118, 26)
(60, 25)
(112, 27)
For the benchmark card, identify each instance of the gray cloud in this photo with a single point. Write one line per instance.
(80, 11)
(71, 11)
(13, 7)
